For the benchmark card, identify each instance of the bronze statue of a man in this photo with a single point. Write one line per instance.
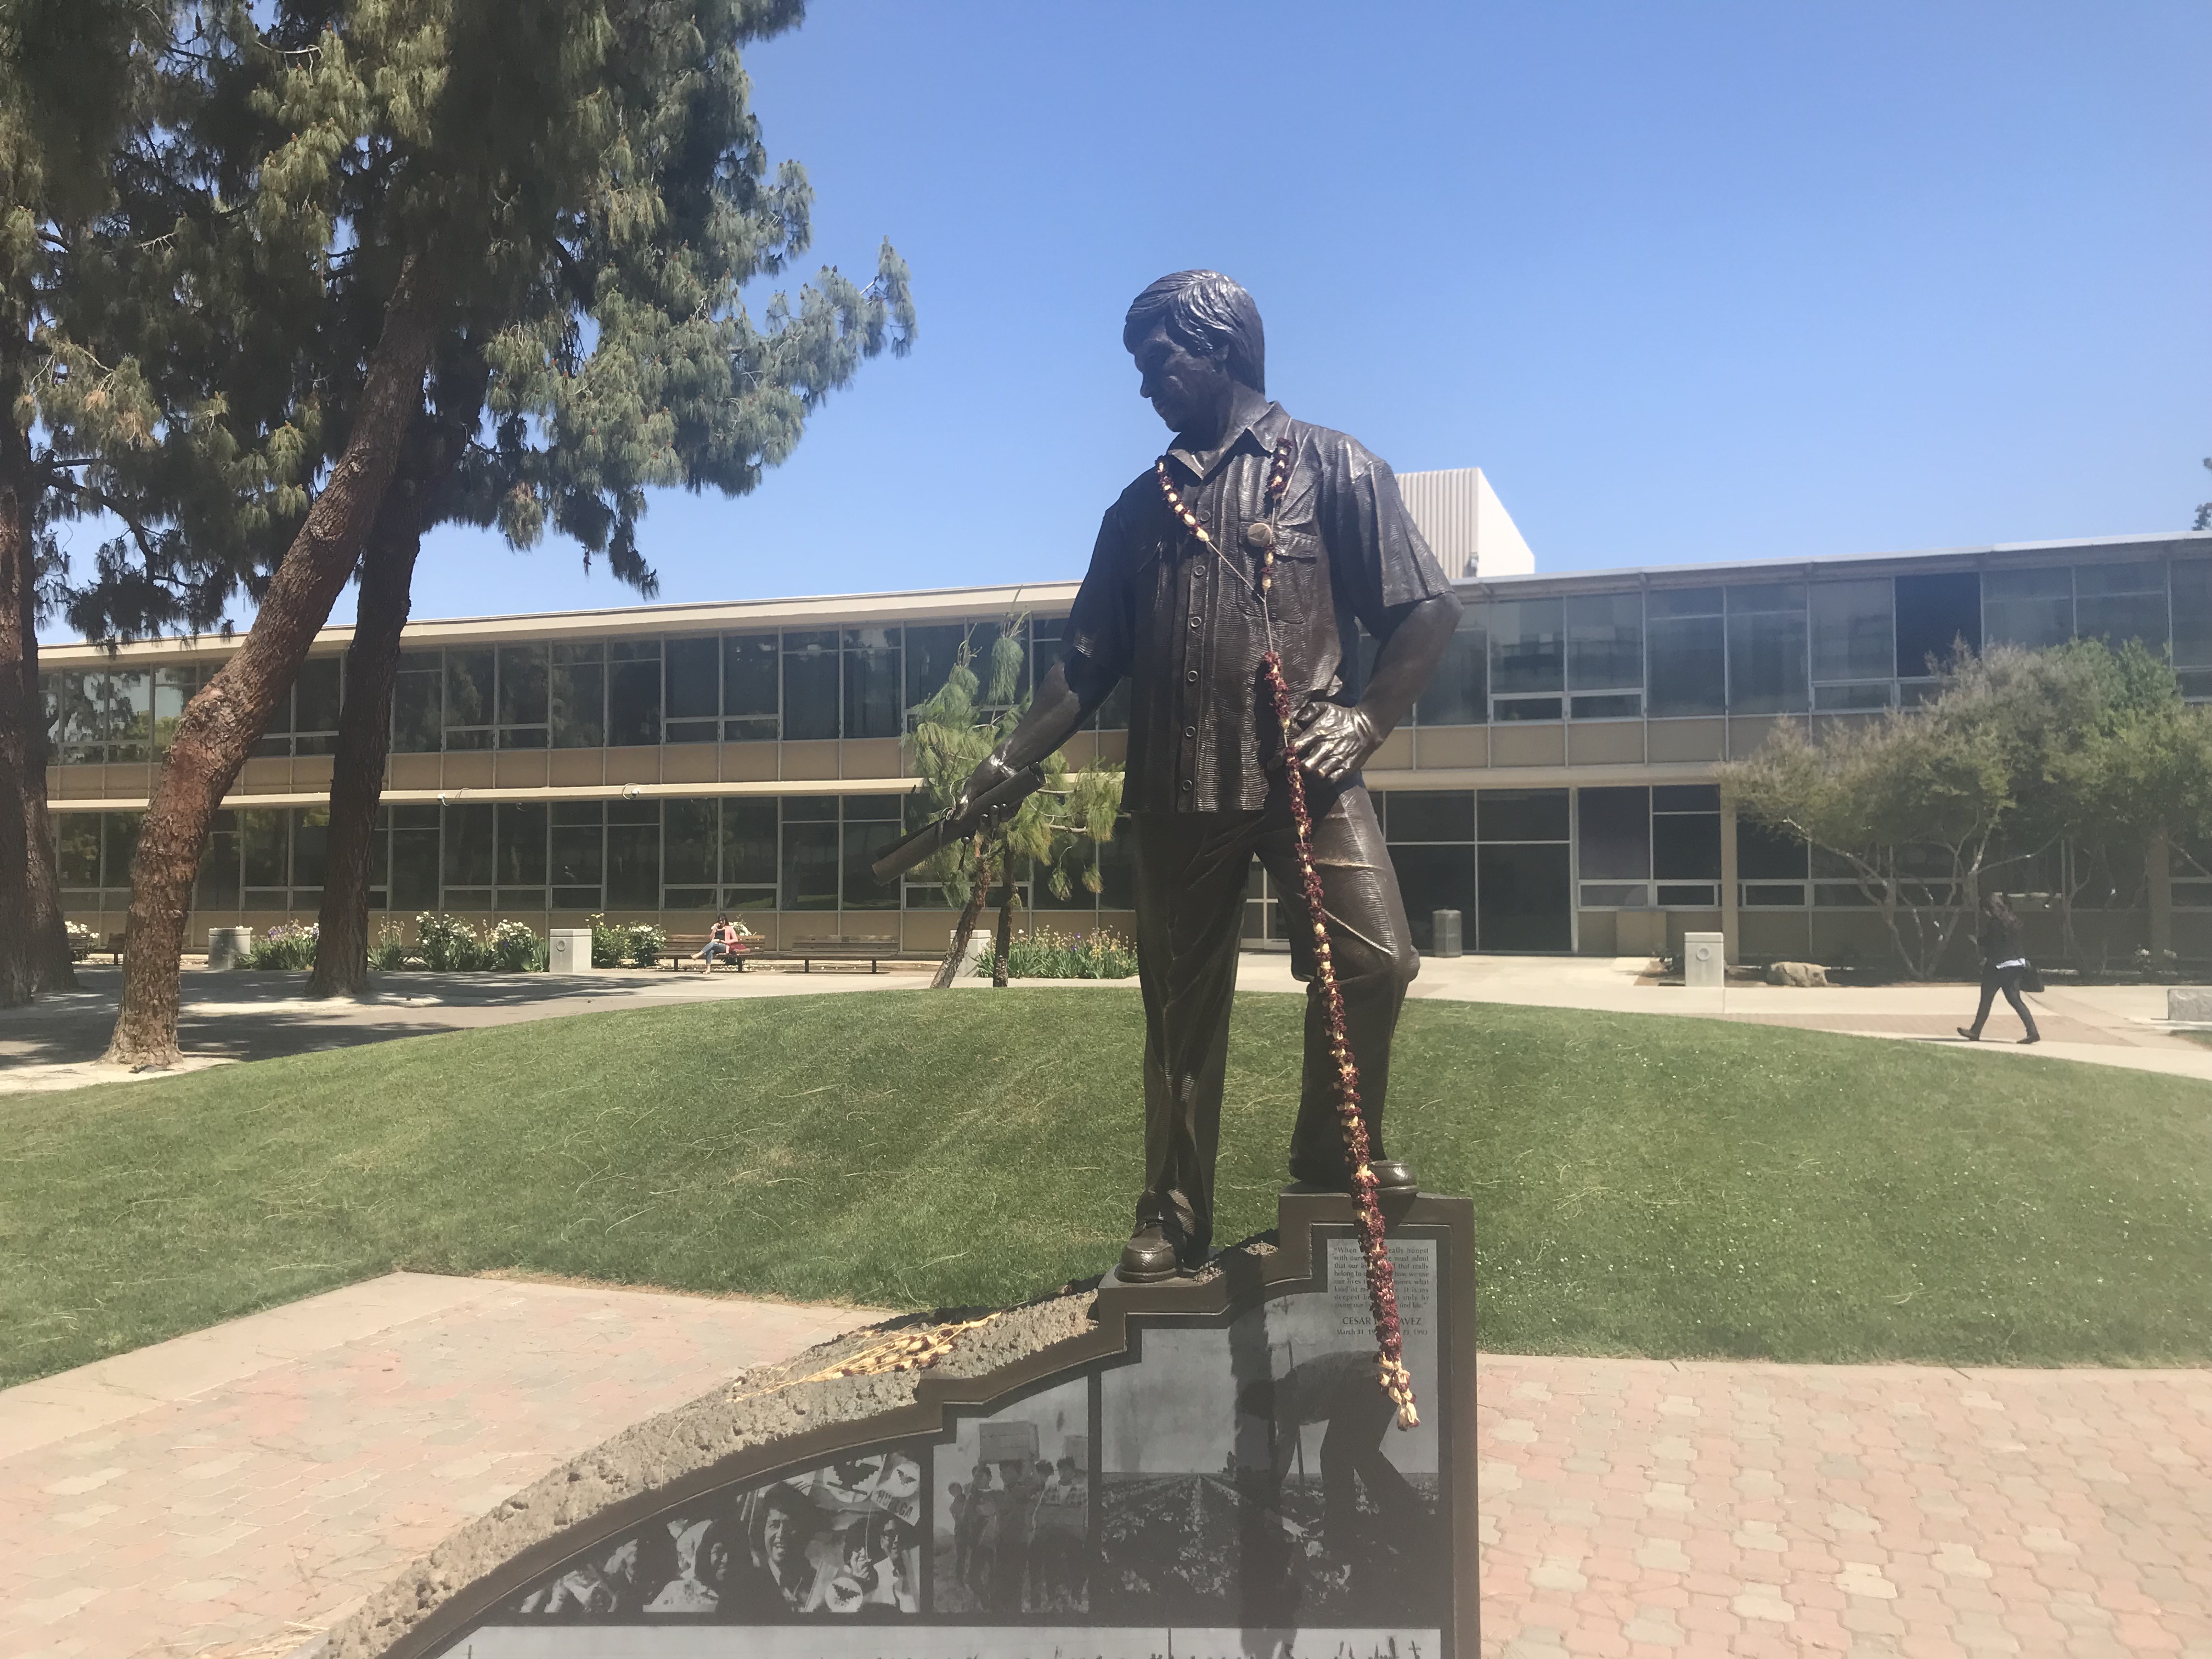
(1186, 621)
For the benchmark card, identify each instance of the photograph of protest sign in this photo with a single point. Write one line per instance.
(1012, 1508)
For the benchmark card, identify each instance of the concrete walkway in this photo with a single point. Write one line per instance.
(228, 1494)
(57, 1042)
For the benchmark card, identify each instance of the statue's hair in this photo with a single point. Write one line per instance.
(1205, 313)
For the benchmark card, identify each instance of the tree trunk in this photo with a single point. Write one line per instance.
(1005, 938)
(19, 691)
(387, 572)
(220, 725)
(51, 965)
(977, 895)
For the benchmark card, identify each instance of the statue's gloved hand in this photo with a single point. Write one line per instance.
(1332, 741)
(984, 779)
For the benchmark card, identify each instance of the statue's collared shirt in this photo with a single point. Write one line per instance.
(1184, 623)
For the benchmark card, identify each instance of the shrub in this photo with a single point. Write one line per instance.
(1046, 953)
(646, 943)
(445, 943)
(83, 941)
(608, 943)
(514, 949)
(391, 953)
(285, 945)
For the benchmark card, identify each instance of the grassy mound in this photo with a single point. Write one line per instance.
(1645, 1184)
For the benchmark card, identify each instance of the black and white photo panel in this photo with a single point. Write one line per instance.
(1012, 1497)
(1254, 1475)
(841, 1541)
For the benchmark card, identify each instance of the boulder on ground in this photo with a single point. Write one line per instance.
(1803, 975)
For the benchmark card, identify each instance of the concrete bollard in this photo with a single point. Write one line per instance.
(1444, 933)
(1705, 961)
(228, 946)
(569, 951)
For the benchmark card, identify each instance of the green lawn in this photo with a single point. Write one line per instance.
(1644, 1184)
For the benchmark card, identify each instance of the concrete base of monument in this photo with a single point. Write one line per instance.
(1203, 1467)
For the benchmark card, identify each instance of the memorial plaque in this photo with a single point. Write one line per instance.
(1203, 1467)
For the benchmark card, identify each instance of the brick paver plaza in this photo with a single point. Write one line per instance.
(230, 1493)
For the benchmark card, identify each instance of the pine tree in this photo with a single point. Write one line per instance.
(449, 158)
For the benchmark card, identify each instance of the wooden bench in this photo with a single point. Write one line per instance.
(115, 948)
(808, 952)
(682, 952)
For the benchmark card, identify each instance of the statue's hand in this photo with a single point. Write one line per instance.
(1332, 741)
(983, 780)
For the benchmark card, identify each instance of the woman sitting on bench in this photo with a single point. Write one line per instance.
(720, 941)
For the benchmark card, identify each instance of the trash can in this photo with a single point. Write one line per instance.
(569, 951)
(228, 946)
(1445, 926)
(1705, 961)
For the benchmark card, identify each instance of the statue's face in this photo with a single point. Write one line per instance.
(1182, 387)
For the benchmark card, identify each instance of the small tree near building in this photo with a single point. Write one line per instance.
(1057, 832)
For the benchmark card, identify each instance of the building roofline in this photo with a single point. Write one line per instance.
(947, 603)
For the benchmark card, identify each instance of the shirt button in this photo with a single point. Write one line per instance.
(1192, 676)
(1190, 730)
(1193, 622)
(1186, 783)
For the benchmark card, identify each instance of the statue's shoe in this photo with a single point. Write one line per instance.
(1149, 1256)
(1391, 1176)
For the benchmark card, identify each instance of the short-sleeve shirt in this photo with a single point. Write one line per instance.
(1184, 622)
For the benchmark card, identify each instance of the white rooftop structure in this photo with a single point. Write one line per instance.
(1467, 527)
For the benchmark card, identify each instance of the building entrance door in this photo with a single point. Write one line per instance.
(1524, 871)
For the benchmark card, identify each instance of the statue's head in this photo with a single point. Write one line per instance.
(1195, 336)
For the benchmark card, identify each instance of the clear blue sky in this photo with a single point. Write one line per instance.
(1691, 282)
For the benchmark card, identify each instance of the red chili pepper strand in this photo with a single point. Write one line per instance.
(1382, 1291)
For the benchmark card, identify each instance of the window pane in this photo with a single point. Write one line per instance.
(522, 685)
(1686, 846)
(929, 656)
(76, 838)
(1522, 814)
(1685, 798)
(633, 704)
(1854, 630)
(468, 689)
(688, 843)
(865, 840)
(521, 844)
(1760, 598)
(1934, 614)
(311, 842)
(809, 687)
(2028, 607)
(1526, 708)
(261, 842)
(1436, 878)
(1605, 642)
(695, 678)
(217, 886)
(1458, 694)
(1765, 660)
(578, 701)
(1684, 602)
(1616, 833)
(872, 709)
(129, 716)
(2193, 613)
(414, 866)
(419, 705)
(318, 694)
(468, 846)
(749, 674)
(1526, 652)
(575, 845)
(1764, 853)
(1689, 668)
(809, 866)
(634, 863)
(748, 840)
(1431, 815)
(2117, 603)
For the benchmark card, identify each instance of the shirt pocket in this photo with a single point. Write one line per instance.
(1301, 574)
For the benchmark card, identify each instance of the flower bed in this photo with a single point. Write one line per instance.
(1046, 953)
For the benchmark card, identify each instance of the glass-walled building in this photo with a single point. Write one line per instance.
(1556, 784)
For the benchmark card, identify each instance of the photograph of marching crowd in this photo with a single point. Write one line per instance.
(843, 1540)
(1014, 1508)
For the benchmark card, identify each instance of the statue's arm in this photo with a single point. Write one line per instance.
(1333, 741)
(1064, 701)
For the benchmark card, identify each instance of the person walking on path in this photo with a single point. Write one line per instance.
(2003, 967)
